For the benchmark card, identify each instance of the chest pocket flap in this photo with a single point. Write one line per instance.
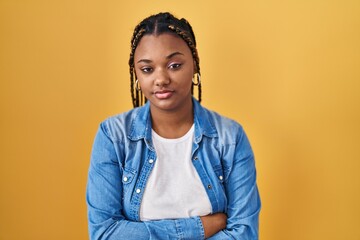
(128, 176)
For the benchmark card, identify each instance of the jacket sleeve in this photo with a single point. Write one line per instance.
(242, 193)
(104, 203)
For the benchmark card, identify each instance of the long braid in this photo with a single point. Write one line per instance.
(197, 59)
(157, 24)
(138, 33)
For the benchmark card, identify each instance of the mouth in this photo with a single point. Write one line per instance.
(163, 94)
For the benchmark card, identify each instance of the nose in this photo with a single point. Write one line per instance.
(162, 78)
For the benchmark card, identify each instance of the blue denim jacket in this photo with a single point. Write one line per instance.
(123, 156)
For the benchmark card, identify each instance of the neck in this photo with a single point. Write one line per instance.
(172, 124)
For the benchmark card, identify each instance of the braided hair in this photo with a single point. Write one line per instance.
(158, 24)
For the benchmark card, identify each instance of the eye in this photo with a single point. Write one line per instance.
(175, 66)
(146, 69)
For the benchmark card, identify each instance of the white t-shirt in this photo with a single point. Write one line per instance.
(174, 189)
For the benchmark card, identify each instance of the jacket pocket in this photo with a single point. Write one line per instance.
(219, 173)
(127, 178)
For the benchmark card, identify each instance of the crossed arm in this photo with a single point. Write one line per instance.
(106, 220)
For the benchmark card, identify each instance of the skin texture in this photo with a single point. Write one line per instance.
(213, 223)
(164, 67)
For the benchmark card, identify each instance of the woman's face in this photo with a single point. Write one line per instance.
(164, 67)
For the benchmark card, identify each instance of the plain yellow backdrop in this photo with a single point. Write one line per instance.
(288, 71)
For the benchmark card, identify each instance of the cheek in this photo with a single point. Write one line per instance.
(143, 79)
(186, 83)
(187, 75)
(190, 77)
(144, 84)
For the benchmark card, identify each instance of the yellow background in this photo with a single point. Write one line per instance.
(289, 71)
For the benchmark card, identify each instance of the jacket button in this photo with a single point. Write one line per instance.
(125, 179)
(138, 190)
(209, 186)
(151, 161)
(221, 177)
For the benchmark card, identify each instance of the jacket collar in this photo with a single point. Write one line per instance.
(140, 123)
(203, 122)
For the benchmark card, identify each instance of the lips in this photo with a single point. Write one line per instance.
(163, 94)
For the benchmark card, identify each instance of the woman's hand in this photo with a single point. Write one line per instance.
(213, 223)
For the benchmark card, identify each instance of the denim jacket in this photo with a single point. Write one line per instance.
(123, 156)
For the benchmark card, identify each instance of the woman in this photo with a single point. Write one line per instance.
(170, 169)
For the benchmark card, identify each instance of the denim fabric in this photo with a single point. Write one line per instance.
(123, 156)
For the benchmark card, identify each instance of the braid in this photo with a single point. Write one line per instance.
(138, 33)
(199, 87)
(157, 24)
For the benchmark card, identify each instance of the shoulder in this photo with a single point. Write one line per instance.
(226, 128)
(230, 136)
(223, 122)
(119, 125)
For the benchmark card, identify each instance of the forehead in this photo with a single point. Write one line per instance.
(163, 44)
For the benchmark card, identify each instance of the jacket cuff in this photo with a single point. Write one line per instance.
(190, 228)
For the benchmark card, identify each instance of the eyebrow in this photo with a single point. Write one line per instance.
(167, 57)
(174, 54)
